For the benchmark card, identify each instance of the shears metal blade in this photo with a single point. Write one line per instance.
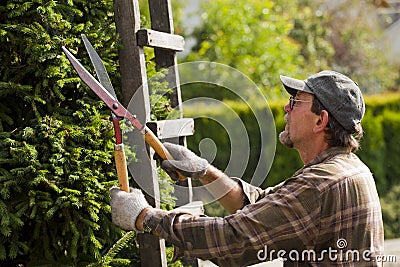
(119, 151)
(104, 79)
(113, 104)
(99, 67)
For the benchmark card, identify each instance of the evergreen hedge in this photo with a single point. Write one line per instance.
(380, 148)
(56, 139)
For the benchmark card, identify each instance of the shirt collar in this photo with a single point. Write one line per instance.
(324, 155)
(328, 153)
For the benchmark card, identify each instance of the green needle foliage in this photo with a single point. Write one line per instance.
(54, 188)
(110, 257)
(56, 139)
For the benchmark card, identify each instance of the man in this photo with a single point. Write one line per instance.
(328, 213)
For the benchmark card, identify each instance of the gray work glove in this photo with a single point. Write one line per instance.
(126, 207)
(185, 162)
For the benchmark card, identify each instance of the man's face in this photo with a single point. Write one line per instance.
(299, 121)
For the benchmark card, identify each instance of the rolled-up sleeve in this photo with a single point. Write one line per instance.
(253, 193)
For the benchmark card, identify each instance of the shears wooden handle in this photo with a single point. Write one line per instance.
(120, 165)
(158, 147)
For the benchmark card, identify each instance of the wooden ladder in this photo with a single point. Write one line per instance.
(136, 97)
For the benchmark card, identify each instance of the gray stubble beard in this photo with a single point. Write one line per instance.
(284, 138)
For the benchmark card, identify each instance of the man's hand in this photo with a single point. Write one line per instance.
(125, 207)
(185, 162)
(228, 191)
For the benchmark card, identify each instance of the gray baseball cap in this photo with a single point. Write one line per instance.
(337, 93)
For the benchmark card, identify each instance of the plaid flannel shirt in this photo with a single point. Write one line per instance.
(327, 214)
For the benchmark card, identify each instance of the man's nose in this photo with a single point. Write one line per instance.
(287, 108)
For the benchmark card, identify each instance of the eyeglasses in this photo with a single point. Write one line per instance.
(293, 101)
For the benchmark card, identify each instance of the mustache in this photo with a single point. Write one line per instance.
(286, 117)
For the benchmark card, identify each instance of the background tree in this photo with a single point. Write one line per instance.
(356, 35)
(310, 30)
(268, 38)
(346, 36)
(251, 36)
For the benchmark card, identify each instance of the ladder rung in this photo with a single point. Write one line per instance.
(158, 39)
(172, 128)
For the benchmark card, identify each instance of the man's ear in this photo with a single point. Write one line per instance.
(321, 121)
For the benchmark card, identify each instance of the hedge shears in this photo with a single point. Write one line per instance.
(105, 91)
